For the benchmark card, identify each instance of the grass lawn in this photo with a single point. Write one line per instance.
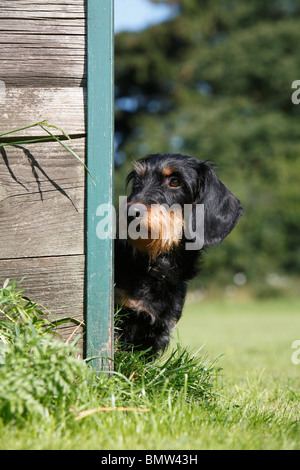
(255, 337)
(257, 393)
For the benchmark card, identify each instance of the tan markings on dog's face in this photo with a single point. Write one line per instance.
(140, 169)
(164, 227)
(167, 171)
(122, 299)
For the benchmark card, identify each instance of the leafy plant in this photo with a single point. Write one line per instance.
(40, 376)
(15, 307)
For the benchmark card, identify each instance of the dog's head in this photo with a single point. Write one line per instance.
(162, 186)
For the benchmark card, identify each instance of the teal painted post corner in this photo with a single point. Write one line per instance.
(100, 129)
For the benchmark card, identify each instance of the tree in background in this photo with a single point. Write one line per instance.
(215, 83)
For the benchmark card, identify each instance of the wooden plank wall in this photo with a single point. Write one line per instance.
(42, 64)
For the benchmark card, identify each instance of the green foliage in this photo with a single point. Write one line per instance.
(258, 407)
(215, 83)
(180, 372)
(41, 377)
(16, 307)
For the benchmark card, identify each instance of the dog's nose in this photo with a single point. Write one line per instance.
(133, 212)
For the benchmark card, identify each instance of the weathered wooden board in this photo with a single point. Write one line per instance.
(52, 226)
(62, 107)
(26, 9)
(43, 26)
(64, 42)
(60, 71)
(41, 201)
(27, 51)
(26, 79)
(42, 226)
(40, 167)
(52, 37)
(54, 282)
(34, 4)
(42, 187)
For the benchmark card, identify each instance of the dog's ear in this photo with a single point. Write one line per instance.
(222, 209)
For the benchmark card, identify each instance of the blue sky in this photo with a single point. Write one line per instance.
(135, 15)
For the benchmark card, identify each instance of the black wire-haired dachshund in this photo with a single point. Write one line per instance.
(158, 253)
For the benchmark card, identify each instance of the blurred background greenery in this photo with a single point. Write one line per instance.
(214, 82)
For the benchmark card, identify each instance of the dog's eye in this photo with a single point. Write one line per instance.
(174, 182)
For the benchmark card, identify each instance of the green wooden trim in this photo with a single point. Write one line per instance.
(100, 125)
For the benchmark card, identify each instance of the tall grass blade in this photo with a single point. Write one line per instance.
(43, 125)
(67, 148)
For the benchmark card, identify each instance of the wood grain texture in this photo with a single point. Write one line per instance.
(43, 26)
(52, 226)
(54, 282)
(41, 201)
(42, 187)
(68, 9)
(62, 107)
(40, 167)
(52, 37)
(57, 283)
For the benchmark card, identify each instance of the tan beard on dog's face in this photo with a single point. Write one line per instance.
(163, 226)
